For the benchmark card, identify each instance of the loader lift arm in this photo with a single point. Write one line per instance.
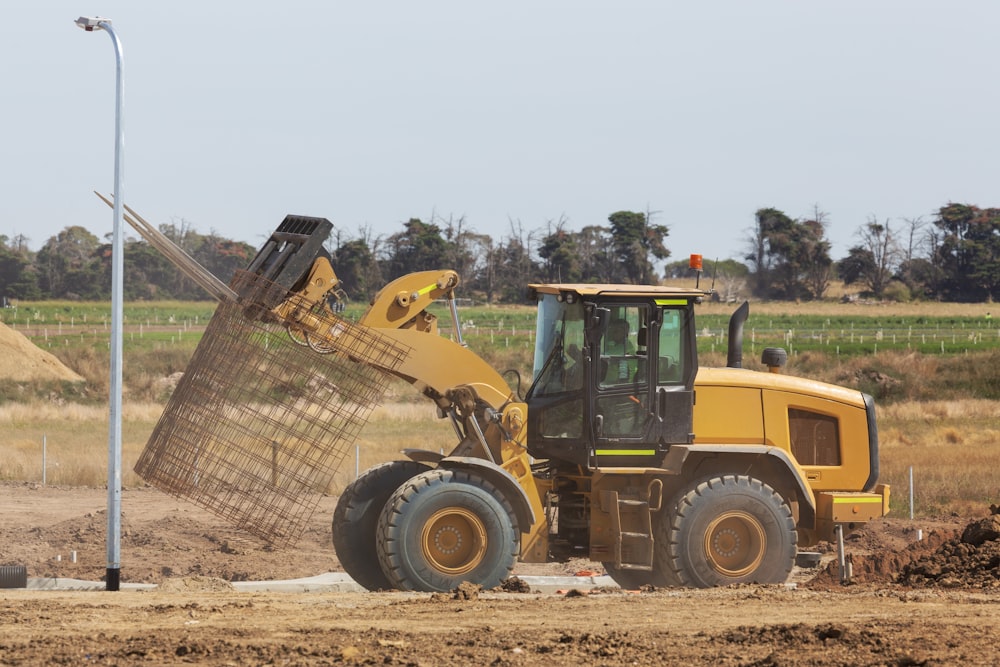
(292, 282)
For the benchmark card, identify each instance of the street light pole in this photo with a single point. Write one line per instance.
(113, 576)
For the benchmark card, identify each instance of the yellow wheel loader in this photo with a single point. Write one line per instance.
(621, 450)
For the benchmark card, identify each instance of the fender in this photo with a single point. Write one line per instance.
(422, 455)
(679, 454)
(501, 479)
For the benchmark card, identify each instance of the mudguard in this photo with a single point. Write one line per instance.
(794, 476)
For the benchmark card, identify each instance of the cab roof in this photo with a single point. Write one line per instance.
(589, 290)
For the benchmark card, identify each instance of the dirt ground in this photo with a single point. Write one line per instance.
(933, 602)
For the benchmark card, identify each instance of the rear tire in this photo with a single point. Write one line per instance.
(732, 529)
(356, 519)
(446, 527)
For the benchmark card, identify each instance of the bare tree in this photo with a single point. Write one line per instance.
(917, 242)
(875, 259)
(730, 286)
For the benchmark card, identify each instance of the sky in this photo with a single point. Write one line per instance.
(501, 114)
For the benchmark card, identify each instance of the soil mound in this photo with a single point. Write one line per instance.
(967, 558)
(23, 361)
(969, 561)
(514, 585)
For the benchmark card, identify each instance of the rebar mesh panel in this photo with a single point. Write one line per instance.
(258, 425)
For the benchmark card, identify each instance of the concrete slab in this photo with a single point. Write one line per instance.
(555, 584)
(64, 584)
(331, 582)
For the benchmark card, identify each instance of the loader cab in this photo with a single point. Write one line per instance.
(613, 374)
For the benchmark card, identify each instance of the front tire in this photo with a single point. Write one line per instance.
(356, 519)
(445, 527)
(732, 529)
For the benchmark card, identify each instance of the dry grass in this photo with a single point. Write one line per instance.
(76, 440)
(953, 447)
(20, 413)
(858, 309)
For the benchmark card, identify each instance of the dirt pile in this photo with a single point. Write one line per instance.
(23, 361)
(465, 591)
(969, 561)
(959, 558)
(515, 585)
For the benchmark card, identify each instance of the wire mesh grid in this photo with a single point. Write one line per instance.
(259, 424)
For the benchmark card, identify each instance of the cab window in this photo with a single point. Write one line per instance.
(670, 351)
(620, 354)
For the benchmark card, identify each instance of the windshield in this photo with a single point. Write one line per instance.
(558, 345)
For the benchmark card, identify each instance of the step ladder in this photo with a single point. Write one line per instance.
(632, 522)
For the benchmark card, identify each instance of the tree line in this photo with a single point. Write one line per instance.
(955, 256)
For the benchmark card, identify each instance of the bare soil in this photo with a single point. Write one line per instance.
(932, 602)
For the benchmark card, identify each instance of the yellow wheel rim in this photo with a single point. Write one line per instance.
(735, 544)
(454, 541)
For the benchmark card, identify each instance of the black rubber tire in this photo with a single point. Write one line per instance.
(732, 529)
(356, 519)
(446, 527)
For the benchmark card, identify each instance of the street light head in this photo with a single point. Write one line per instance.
(91, 23)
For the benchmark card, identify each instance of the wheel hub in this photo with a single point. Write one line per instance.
(454, 540)
(448, 540)
(735, 543)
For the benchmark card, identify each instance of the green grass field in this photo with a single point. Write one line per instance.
(504, 335)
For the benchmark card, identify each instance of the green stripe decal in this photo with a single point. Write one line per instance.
(671, 302)
(626, 452)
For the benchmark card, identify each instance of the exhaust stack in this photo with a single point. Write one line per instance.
(735, 356)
